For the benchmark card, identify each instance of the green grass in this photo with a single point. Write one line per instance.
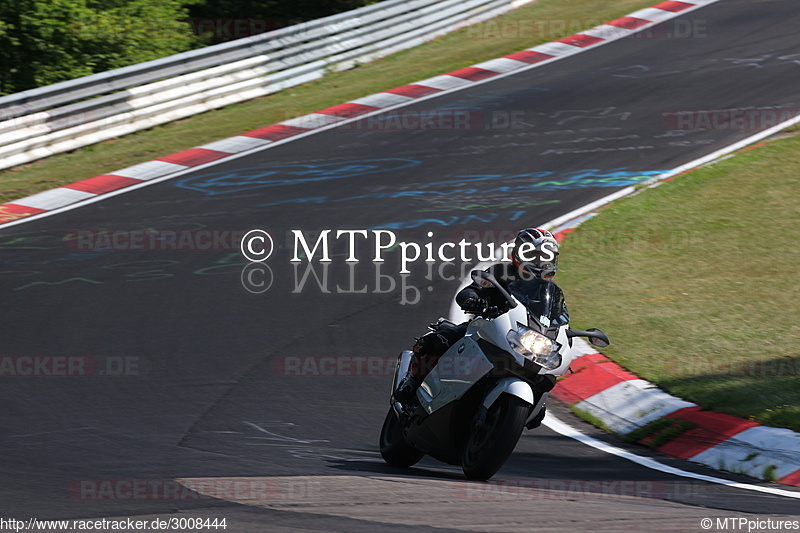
(659, 432)
(589, 417)
(695, 282)
(541, 21)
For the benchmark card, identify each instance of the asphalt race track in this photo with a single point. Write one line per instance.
(182, 373)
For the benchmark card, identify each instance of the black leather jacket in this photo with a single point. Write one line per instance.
(505, 273)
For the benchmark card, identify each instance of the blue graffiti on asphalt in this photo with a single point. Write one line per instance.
(619, 177)
(277, 175)
(308, 200)
(577, 179)
(446, 221)
(573, 180)
(590, 177)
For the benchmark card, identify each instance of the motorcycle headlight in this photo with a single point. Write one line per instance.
(535, 346)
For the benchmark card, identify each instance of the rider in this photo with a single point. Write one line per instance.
(534, 255)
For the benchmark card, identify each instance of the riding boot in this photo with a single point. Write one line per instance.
(419, 368)
(407, 389)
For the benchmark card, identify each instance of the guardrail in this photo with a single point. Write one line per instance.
(68, 115)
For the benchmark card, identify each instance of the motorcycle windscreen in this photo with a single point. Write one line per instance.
(543, 299)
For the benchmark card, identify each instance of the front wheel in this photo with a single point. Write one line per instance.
(394, 449)
(490, 444)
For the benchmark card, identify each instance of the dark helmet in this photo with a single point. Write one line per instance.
(535, 253)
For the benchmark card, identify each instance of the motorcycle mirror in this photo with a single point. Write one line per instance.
(598, 338)
(480, 275)
(595, 336)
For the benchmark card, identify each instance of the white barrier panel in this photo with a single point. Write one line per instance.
(68, 115)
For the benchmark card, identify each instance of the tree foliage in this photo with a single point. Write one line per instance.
(283, 11)
(47, 41)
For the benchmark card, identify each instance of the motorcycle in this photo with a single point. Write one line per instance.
(471, 408)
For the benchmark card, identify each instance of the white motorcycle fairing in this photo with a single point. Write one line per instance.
(465, 363)
(490, 385)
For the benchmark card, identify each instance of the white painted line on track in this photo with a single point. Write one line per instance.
(727, 150)
(568, 431)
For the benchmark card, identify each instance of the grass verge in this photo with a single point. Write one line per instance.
(541, 21)
(695, 282)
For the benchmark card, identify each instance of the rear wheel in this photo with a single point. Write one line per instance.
(394, 448)
(490, 443)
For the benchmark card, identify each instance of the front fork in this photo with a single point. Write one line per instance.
(400, 370)
(537, 414)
